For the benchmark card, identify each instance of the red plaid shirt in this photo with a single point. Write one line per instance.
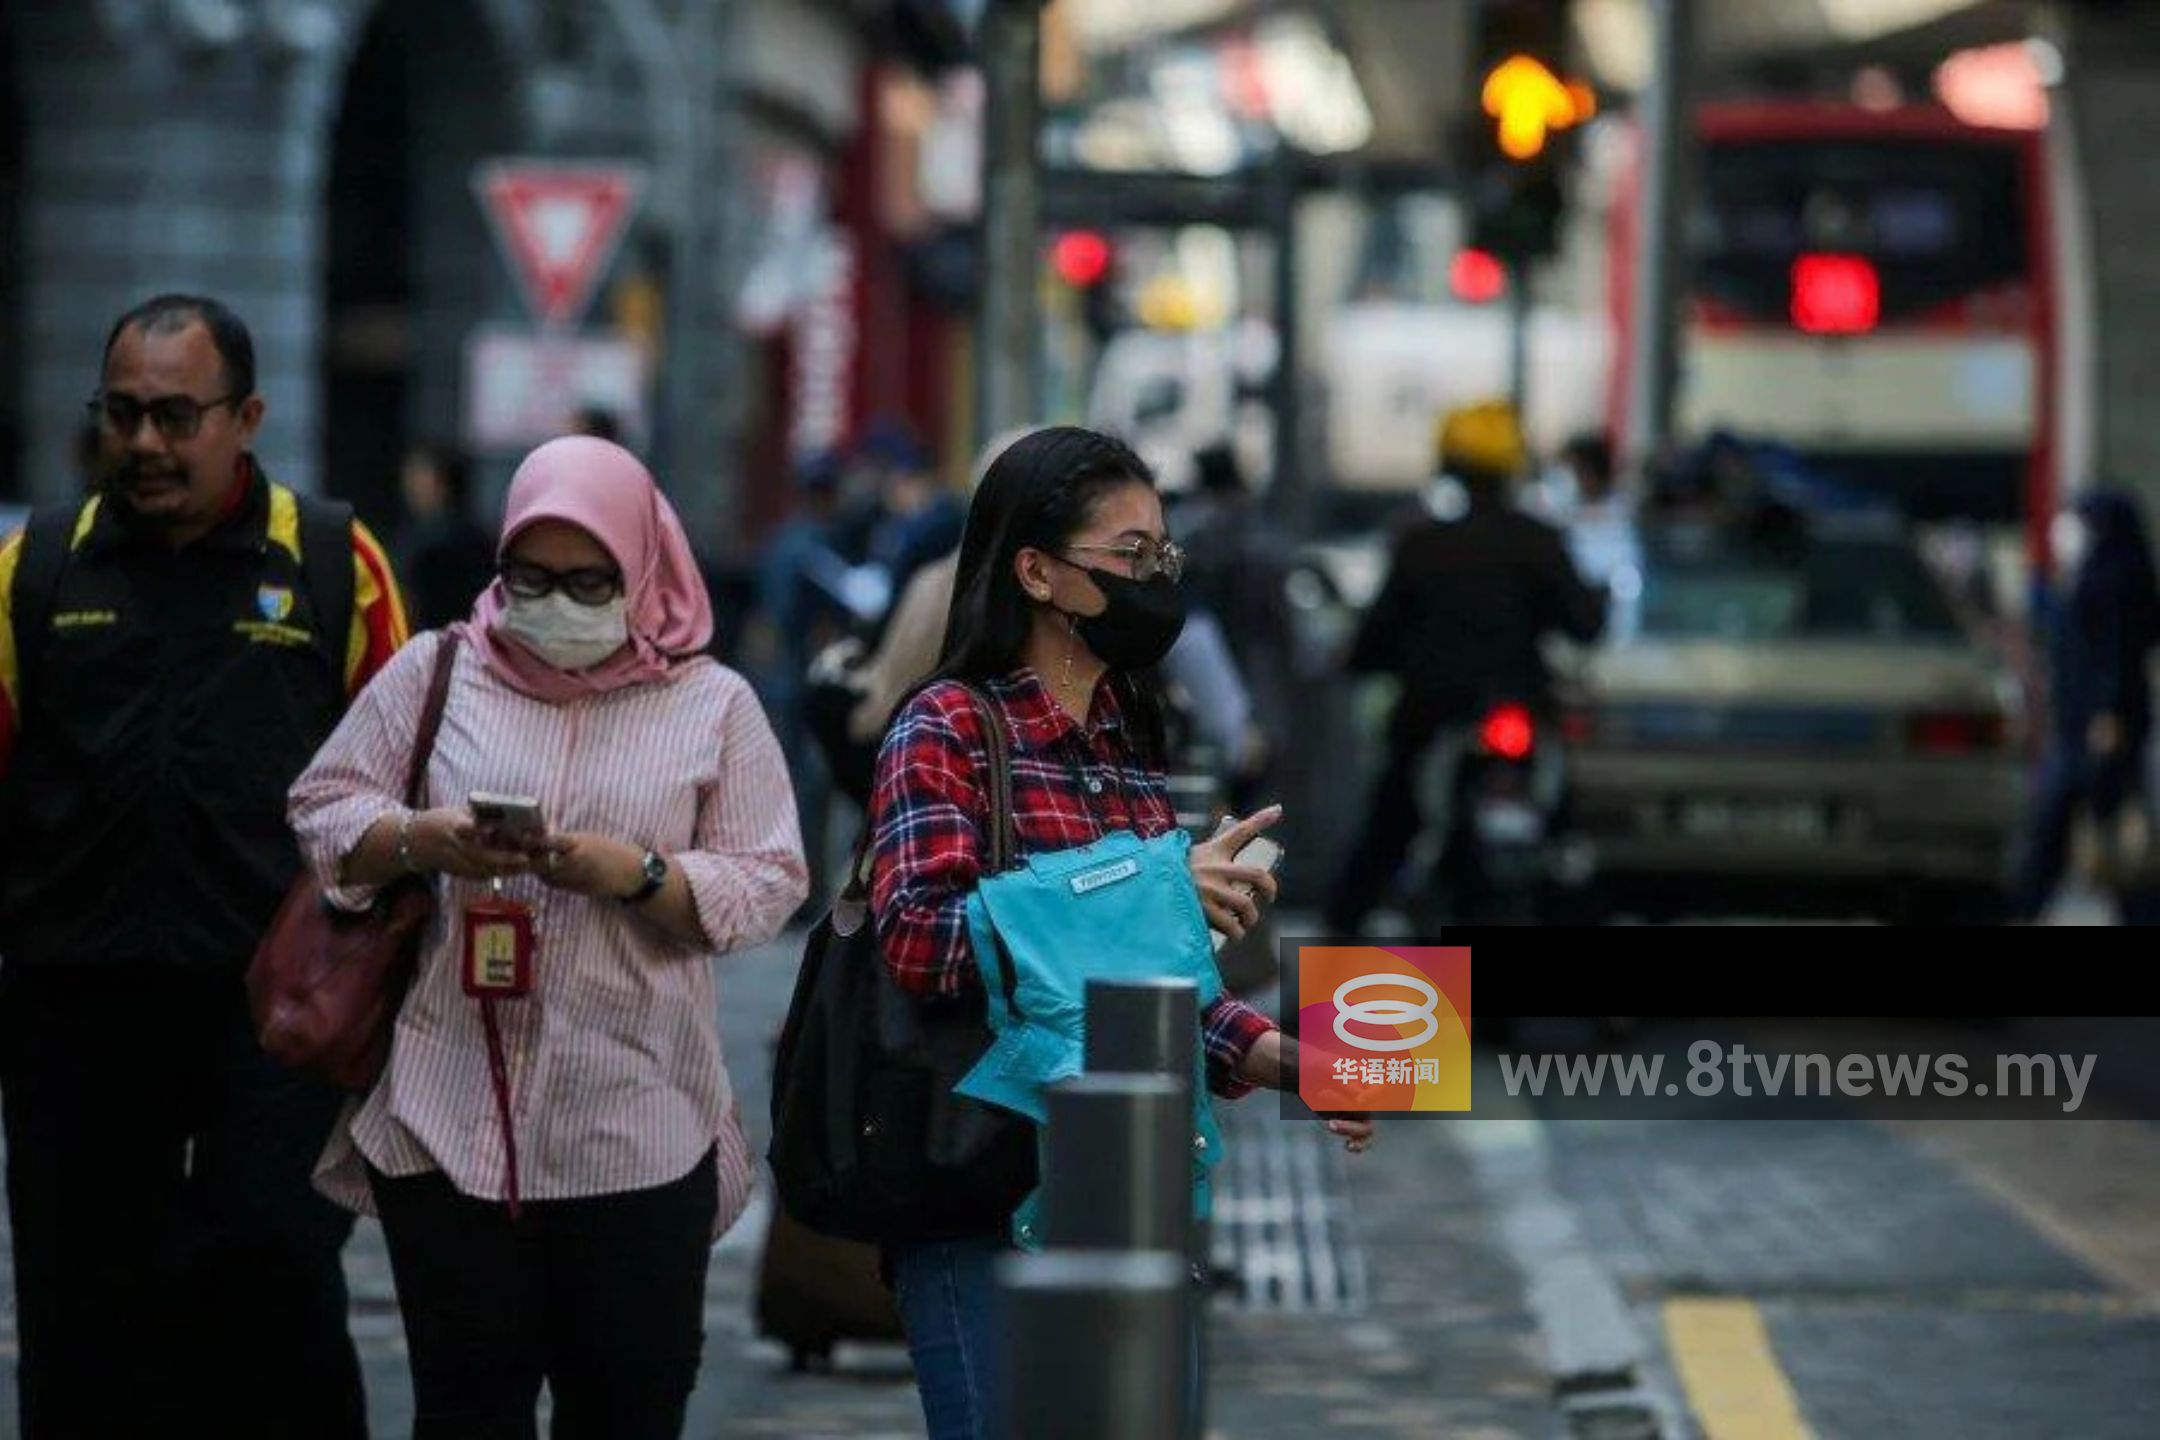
(930, 817)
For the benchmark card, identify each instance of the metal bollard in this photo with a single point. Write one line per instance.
(1095, 1345)
(1143, 1026)
(1117, 1168)
(1150, 1027)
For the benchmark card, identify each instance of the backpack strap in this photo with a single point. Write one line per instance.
(326, 568)
(1004, 829)
(48, 543)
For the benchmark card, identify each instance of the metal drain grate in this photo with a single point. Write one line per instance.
(1282, 1222)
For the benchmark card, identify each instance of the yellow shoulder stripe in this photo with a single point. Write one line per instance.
(84, 519)
(10, 681)
(285, 521)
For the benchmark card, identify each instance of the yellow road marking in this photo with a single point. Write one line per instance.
(1722, 1352)
(2084, 1185)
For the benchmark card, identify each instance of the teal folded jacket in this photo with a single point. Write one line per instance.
(1121, 908)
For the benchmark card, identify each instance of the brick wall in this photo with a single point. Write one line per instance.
(148, 168)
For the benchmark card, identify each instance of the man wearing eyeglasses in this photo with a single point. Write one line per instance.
(172, 652)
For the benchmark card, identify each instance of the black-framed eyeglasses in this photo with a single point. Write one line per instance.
(177, 417)
(528, 581)
(1150, 557)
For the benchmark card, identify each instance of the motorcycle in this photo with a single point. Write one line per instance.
(1498, 851)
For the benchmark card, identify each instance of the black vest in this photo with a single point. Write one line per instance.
(168, 701)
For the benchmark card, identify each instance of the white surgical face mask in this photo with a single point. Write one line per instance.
(568, 635)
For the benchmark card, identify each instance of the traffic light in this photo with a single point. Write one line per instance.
(1517, 142)
(1087, 261)
(1477, 277)
(1082, 258)
(1528, 103)
(1516, 214)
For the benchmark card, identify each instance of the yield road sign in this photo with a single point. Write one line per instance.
(559, 223)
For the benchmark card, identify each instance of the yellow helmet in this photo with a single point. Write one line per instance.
(1484, 437)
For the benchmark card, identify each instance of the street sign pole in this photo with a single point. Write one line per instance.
(1008, 370)
(1653, 362)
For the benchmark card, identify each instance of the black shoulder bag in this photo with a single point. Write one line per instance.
(869, 1141)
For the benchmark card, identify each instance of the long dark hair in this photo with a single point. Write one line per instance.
(1039, 492)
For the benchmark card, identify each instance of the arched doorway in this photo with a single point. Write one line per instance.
(410, 266)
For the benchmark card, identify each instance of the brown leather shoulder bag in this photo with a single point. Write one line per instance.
(326, 984)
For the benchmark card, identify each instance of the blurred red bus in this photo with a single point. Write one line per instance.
(1874, 288)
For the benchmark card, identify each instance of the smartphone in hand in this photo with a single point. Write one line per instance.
(508, 821)
(1260, 853)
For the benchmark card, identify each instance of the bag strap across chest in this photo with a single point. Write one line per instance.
(1004, 827)
(40, 566)
(326, 569)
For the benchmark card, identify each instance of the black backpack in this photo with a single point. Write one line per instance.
(869, 1141)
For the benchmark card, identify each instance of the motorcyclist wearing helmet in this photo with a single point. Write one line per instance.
(1470, 593)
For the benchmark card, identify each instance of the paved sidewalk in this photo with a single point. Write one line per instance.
(1428, 1335)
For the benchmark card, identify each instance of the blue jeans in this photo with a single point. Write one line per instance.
(948, 1305)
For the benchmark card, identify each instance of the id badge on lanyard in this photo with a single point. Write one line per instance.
(496, 963)
(498, 948)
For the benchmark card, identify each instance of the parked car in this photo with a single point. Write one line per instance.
(1805, 714)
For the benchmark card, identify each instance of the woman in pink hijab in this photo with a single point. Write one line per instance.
(554, 1143)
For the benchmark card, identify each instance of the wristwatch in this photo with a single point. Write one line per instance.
(654, 868)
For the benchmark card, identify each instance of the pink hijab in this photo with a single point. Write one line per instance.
(603, 490)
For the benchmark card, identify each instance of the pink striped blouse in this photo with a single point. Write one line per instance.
(616, 1077)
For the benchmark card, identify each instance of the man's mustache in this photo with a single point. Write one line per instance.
(127, 474)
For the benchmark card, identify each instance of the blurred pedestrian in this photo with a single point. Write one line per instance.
(921, 519)
(2101, 634)
(550, 1215)
(1238, 565)
(172, 650)
(1470, 594)
(853, 694)
(801, 617)
(801, 614)
(1066, 594)
(1595, 515)
(447, 559)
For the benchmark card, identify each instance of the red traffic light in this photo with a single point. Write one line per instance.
(1835, 295)
(1082, 257)
(1477, 276)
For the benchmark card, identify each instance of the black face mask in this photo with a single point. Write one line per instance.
(1140, 624)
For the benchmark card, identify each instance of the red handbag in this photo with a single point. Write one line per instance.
(326, 984)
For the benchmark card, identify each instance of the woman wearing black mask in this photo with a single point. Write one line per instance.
(1066, 596)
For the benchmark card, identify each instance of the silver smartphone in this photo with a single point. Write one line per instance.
(1260, 853)
(508, 817)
